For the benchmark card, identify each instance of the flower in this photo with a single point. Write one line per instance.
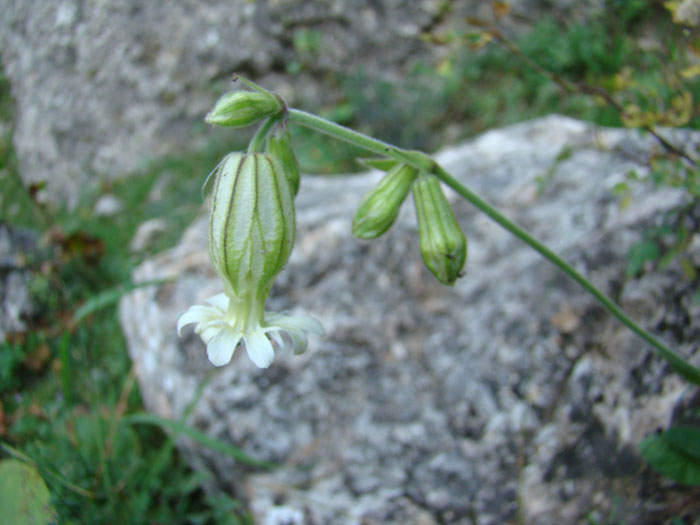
(251, 235)
(230, 320)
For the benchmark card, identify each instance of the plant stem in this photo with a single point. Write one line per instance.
(256, 143)
(417, 160)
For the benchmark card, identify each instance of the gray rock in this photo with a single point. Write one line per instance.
(17, 247)
(511, 394)
(107, 206)
(102, 87)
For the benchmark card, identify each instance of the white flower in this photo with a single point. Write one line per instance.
(230, 320)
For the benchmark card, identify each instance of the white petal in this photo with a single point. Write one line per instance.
(196, 314)
(299, 340)
(219, 301)
(208, 333)
(291, 322)
(276, 337)
(220, 348)
(259, 349)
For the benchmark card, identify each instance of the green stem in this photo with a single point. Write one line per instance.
(418, 160)
(685, 369)
(256, 143)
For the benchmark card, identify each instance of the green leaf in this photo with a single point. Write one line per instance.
(24, 497)
(198, 436)
(639, 253)
(686, 439)
(108, 298)
(664, 455)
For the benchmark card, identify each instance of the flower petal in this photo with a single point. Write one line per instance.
(196, 314)
(259, 349)
(219, 301)
(299, 341)
(208, 333)
(292, 322)
(220, 348)
(276, 336)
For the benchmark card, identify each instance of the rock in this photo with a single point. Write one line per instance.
(108, 206)
(16, 248)
(146, 233)
(101, 87)
(512, 395)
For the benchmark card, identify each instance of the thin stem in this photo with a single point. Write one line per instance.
(688, 371)
(339, 132)
(256, 143)
(417, 160)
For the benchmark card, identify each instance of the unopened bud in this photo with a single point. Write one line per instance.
(442, 243)
(242, 108)
(380, 207)
(279, 145)
(251, 227)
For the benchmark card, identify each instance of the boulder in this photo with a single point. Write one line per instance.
(18, 251)
(511, 396)
(102, 87)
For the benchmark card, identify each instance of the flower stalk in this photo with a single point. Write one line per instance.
(339, 132)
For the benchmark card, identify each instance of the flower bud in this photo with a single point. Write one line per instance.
(379, 208)
(279, 145)
(251, 227)
(442, 243)
(242, 108)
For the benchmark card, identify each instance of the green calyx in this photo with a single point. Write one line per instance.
(379, 208)
(242, 108)
(279, 145)
(252, 224)
(443, 246)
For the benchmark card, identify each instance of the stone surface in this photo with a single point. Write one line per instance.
(103, 86)
(17, 246)
(510, 395)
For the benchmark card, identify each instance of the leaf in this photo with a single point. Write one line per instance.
(663, 455)
(24, 497)
(108, 298)
(686, 439)
(688, 269)
(638, 254)
(198, 436)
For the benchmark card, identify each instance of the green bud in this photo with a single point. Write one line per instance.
(378, 209)
(442, 243)
(279, 145)
(251, 227)
(242, 108)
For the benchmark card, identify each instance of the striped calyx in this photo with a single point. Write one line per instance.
(242, 108)
(279, 145)
(379, 208)
(443, 246)
(251, 226)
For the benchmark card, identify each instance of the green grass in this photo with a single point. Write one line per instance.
(67, 391)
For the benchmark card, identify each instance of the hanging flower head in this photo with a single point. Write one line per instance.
(251, 234)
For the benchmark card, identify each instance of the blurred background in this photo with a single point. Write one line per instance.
(103, 152)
